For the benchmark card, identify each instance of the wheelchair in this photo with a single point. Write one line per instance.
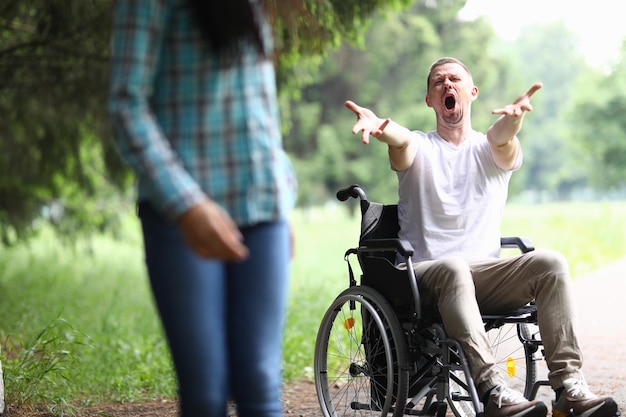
(377, 353)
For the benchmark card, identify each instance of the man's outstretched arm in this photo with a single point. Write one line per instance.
(502, 135)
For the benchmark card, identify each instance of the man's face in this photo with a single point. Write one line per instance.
(450, 93)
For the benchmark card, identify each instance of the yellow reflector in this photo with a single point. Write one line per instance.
(510, 367)
(349, 323)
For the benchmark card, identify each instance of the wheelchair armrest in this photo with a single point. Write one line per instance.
(381, 245)
(517, 242)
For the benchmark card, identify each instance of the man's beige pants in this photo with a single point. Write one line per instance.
(461, 289)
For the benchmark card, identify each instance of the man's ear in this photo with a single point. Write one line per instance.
(427, 100)
(474, 93)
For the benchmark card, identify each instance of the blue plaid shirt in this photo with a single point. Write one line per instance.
(191, 128)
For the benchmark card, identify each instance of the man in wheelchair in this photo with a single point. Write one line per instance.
(453, 185)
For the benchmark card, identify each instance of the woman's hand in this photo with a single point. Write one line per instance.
(212, 233)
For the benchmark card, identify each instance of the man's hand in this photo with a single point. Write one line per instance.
(399, 139)
(521, 104)
(367, 122)
(502, 135)
(211, 233)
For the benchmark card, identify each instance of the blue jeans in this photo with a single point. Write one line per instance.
(223, 321)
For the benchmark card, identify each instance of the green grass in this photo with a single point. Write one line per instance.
(90, 309)
(589, 234)
(77, 325)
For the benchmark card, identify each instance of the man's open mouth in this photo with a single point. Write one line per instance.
(450, 102)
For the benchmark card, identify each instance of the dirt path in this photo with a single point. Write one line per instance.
(601, 298)
(602, 328)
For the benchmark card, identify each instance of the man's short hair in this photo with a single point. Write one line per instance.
(443, 61)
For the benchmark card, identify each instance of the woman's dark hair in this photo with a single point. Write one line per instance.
(224, 24)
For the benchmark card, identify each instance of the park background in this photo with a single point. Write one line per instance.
(77, 323)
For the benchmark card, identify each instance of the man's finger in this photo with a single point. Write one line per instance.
(534, 89)
(365, 136)
(352, 106)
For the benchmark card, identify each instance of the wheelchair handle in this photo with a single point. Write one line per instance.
(517, 242)
(354, 191)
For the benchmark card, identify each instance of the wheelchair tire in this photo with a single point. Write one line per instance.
(527, 333)
(515, 359)
(361, 357)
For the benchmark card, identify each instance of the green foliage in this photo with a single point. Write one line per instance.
(53, 71)
(548, 54)
(308, 30)
(601, 129)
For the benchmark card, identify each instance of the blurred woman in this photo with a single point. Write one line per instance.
(194, 113)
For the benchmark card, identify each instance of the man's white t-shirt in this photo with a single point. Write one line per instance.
(451, 199)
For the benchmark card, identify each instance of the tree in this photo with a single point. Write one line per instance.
(52, 83)
(546, 53)
(600, 130)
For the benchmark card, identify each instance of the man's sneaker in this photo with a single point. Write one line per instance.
(578, 401)
(504, 402)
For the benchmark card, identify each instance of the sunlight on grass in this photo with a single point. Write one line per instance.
(589, 234)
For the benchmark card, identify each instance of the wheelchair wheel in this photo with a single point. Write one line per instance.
(515, 358)
(361, 357)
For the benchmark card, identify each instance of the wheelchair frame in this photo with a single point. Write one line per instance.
(377, 353)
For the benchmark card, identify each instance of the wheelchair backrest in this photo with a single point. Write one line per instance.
(380, 221)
